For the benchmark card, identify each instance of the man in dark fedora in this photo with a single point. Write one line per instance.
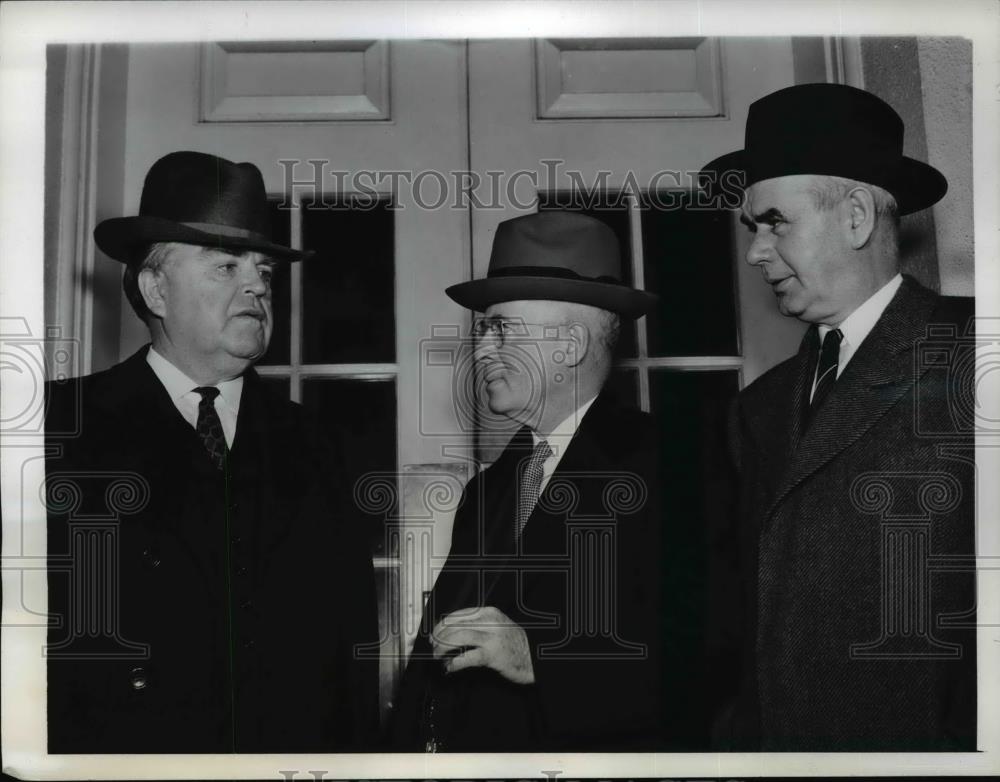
(856, 524)
(208, 589)
(542, 630)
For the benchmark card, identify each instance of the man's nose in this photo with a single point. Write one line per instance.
(759, 250)
(484, 347)
(253, 283)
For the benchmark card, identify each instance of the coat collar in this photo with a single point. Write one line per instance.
(881, 372)
(596, 447)
(131, 391)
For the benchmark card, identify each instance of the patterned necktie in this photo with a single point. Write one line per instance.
(210, 427)
(826, 371)
(531, 483)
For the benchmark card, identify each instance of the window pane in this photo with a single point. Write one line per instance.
(612, 209)
(360, 417)
(348, 289)
(280, 349)
(279, 385)
(623, 383)
(688, 261)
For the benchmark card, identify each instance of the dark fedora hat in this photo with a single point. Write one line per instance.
(200, 199)
(833, 130)
(562, 256)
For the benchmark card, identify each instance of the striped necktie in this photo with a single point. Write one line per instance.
(826, 369)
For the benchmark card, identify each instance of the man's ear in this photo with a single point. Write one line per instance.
(577, 343)
(861, 206)
(151, 287)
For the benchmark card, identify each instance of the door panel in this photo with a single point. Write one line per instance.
(366, 332)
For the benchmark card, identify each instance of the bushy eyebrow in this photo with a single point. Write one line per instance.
(771, 215)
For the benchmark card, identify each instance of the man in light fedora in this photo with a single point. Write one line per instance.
(207, 586)
(542, 630)
(855, 455)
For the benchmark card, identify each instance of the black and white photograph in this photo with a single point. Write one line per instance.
(536, 390)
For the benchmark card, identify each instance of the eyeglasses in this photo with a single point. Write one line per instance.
(504, 329)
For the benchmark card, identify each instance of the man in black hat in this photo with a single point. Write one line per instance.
(200, 553)
(541, 632)
(855, 458)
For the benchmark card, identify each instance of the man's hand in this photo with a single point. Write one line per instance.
(484, 637)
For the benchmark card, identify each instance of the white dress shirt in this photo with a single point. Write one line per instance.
(856, 326)
(182, 393)
(559, 439)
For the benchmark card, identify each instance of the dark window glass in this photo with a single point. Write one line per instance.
(612, 209)
(688, 260)
(280, 350)
(348, 289)
(360, 417)
(279, 385)
(623, 384)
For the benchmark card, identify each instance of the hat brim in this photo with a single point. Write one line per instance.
(121, 238)
(914, 185)
(479, 294)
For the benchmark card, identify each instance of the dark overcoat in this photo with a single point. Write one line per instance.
(586, 583)
(856, 542)
(198, 610)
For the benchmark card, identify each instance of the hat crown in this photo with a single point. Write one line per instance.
(828, 130)
(194, 187)
(795, 118)
(575, 243)
(554, 256)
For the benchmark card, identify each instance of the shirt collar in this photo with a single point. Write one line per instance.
(178, 384)
(856, 326)
(560, 436)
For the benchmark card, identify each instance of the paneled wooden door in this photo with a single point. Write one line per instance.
(372, 132)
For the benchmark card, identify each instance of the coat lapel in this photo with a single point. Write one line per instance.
(132, 393)
(881, 372)
(568, 492)
(777, 420)
(493, 536)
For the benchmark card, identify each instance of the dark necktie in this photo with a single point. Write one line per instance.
(210, 427)
(531, 483)
(826, 370)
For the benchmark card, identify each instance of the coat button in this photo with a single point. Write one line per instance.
(249, 644)
(139, 679)
(246, 605)
(241, 570)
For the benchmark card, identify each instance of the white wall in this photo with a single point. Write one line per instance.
(946, 78)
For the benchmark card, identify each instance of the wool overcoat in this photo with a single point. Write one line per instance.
(588, 582)
(193, 609)
(856, 542)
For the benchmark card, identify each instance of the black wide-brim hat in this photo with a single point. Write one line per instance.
(201, 199)
(558, 256)
(831, 130)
